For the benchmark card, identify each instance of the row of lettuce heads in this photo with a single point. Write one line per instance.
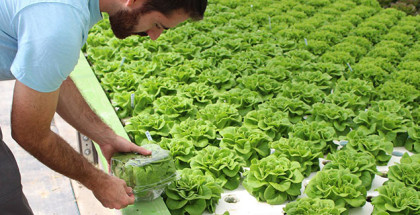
(293, 76)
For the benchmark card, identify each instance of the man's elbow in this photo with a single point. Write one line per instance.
(26, 136)
(19, 136)
(16, 134)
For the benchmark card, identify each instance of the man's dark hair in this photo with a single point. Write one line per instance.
(195, 8)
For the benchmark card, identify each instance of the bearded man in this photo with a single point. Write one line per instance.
(40, 42)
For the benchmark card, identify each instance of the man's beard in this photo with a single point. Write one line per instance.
(123, 22)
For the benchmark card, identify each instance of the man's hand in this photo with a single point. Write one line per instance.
(113, 192)
(121, 145)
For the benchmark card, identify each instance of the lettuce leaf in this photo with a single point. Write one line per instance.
(398, 91)
(128, 104)
(201, 93)
(219, 78)
(117, 82)
(224, 165)
(295, 108)
(261, 83)
(302, 151)
(157, 125)
(244, 100)
(174, 107)
(147, 175)
(200, 132)
(310, 206)
(388, 119)
(192, 193)
(274, 179)
(249, 143)
(395, 198)
(339, 185)
(406, 172)
(361, 141)
(413, 142)
(322, 80)
(320, 133)
(347, 100)
(361, 164)
(339, 117)
(361, 88)
(184, 73)
(181, 150)
(276, 124)
(308, 93)
(221, 115)
(159, 86)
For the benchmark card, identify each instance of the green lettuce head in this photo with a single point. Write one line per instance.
(224, 165)
(309, 206)
(249, 143)
(302, 151)
(147, 175)
(395, 198)
(193, 193)
(361, 164)
(407, 171)
(274, 179)
(339, 185)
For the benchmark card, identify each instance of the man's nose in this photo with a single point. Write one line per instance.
(155, 34)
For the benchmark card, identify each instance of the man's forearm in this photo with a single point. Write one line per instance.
(57, 154)
(73, 108)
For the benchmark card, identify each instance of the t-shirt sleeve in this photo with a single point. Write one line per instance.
(50, 36)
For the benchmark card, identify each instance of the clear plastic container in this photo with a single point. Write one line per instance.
(147, 175)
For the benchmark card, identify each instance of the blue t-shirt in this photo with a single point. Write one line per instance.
(40, 40)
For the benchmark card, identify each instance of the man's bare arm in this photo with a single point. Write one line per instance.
(32, 113)
(73, 108)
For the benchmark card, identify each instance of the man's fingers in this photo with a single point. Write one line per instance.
(129, 191)
(132, 199)
(142, 150)
(109, 167)
(130, 194)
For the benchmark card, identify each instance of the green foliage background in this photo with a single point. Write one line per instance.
(257, 72)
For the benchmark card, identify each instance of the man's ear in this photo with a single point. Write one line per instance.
(133, 3)
(129, 3)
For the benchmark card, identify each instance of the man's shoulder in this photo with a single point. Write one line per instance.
(49, 37)
(78, 4)
(70, 10)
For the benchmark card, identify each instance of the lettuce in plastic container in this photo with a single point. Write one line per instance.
(147, 175)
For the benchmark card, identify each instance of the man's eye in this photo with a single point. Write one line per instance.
(143, 34)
